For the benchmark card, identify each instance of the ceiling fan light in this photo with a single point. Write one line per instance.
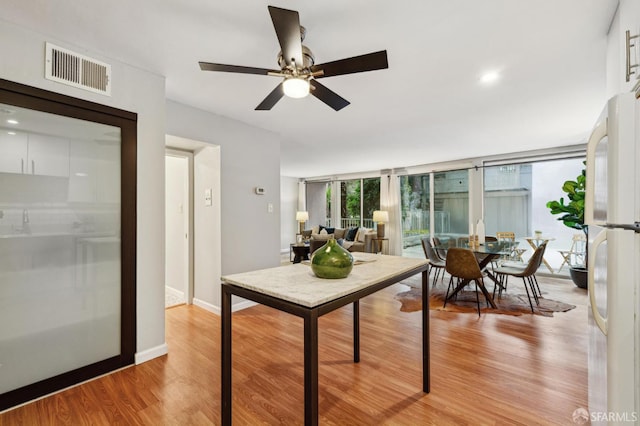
(296, 87)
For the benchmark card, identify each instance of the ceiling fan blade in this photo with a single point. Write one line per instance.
(287, 25)
(328, 96)
(271, 99)
(208, 66)
(368, 62)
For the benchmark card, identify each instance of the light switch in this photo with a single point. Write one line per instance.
(270, 207)
(207, 197)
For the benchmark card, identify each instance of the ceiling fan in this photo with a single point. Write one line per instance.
(297, 65)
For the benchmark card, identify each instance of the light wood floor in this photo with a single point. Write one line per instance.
(496, 369)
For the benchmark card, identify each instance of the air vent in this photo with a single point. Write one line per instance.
(74, 69)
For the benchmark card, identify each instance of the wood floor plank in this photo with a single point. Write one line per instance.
(496, 369)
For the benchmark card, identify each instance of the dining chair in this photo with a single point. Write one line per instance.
(528, 275)
(514, 253)
(442, 253)
(434, 260)
(576, 251)
(462, 264)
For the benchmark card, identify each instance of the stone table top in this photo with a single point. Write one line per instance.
(298, 284)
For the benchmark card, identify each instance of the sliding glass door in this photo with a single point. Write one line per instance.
(358, 200)
(67, 247)
(445, 215)
(515, 200)
(355, 201)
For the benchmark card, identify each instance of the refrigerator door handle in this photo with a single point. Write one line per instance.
(597, 135)
(599, 320)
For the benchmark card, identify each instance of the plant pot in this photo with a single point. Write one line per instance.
(579, 276)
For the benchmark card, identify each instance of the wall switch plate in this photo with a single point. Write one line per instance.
(207, 197)
(270, 207)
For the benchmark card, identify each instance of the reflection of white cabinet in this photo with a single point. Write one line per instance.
(13, 152)
(82, 167)
(34, 154)
(48, 155)
(94, 172)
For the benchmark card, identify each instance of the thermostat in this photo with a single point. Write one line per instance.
(259, 190)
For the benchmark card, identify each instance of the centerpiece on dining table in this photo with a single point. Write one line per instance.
(331, 261)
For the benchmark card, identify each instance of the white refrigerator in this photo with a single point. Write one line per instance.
(612, 211)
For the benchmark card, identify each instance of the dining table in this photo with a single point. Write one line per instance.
(535, 242)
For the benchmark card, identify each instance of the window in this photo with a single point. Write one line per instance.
(515, 199)
(415, 206)
(449, 210)
(451, 203)
(358, 200)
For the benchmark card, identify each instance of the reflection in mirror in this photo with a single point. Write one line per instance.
(60, 251)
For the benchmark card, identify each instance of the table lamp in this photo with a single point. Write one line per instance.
(302, 217)
(380, 217)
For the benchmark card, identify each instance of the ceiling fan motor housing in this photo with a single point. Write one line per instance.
(308, 60)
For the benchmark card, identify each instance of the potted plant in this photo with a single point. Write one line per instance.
(573, 217)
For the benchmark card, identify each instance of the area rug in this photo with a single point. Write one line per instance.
(508, 304)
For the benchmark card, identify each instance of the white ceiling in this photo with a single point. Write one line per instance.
(429, 106)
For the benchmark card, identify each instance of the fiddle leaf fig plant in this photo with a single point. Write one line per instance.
(573, 211)
(573, 216)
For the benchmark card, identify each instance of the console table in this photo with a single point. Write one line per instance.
(296, 290)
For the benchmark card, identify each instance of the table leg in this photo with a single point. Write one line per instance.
(426, 359)
(356, 331)
(534, 246)
(226, 356)
(311, 368)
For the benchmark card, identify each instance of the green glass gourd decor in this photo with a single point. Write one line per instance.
(331, 261)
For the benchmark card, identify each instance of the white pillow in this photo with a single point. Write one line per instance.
(324, 232)
(360, 235)
(314, 230)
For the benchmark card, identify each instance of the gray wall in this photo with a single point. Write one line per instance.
(288, 208)
(249, 157)
(22, 53)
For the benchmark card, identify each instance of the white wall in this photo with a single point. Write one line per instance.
(288, 208)
(136, 91)
(250, 157)
(207, 228)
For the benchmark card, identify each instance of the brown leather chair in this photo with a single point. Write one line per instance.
(462, 264)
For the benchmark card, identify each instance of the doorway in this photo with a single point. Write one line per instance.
(178, 227)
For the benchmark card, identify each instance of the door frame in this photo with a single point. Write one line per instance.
(173, 152)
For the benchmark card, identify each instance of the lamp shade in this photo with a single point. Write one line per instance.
(302, 216)
(380, 216)
(295, 87)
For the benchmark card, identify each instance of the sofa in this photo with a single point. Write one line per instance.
(355, 239)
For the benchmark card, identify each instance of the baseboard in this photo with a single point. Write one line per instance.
(206, 306)
(216, 309)
(151, 353)
(242, 305)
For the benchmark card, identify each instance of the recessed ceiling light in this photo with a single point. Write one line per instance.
(11, 133)
(12, 121)
(489, 77)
